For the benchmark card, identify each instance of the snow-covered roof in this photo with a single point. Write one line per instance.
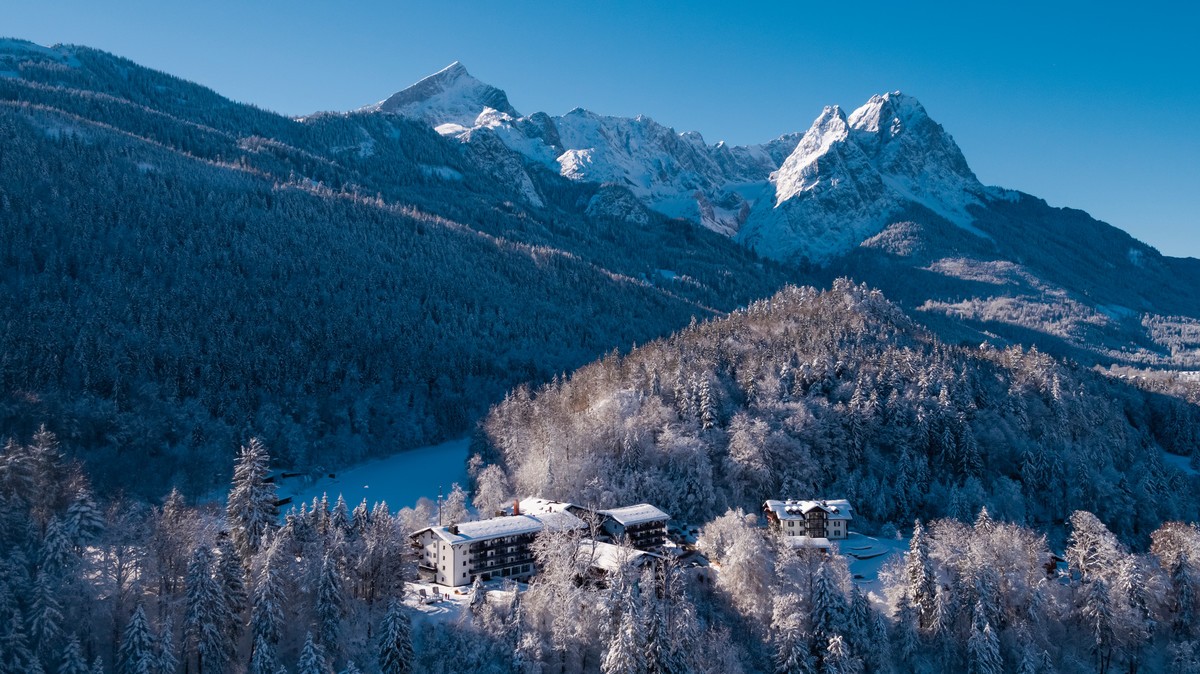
(836, 509)
(636, 514)
(534, 505)
(609, 557)
(510, 525)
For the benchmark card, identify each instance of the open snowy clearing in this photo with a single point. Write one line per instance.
(401, 479)
(867, 555)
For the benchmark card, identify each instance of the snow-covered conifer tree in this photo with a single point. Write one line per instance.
(266, 616)
(251, 504)
(208, 616)
(983, 650)
(330, 608)
(395, 641)
(919, 572)
(72, 661)
(138, 651)
(165, 660)
(232, 575)
(45, 615)
(263, 660)
(312, 660)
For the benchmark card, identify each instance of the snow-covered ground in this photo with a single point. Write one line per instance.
(401, 479)
(867, 556)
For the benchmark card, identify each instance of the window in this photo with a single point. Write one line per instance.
(464, 562)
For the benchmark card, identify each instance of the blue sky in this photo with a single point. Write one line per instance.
(1083, 104)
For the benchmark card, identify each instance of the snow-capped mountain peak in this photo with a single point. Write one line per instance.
(451, 100)
(800, 170)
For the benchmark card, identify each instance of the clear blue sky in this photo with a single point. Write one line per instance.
(1087, 105)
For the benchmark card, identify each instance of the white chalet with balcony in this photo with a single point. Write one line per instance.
(829, 520)
(500, 547)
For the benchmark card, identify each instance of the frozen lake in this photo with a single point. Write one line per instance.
(400, 479)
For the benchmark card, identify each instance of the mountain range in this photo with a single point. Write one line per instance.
(882, 194)
(180, 271)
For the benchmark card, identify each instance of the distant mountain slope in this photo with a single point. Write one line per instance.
(811, 394)
(884, 194)
(179, 271)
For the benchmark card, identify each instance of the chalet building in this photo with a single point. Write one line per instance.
(501, 547)
(810, 520)
(643, 525)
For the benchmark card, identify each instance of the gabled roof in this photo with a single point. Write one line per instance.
(636, 514)
(510, 525)
(534, 506)
(610, 558)
(836, 509)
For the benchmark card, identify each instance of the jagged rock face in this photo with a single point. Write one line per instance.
(801, 197)
(675, 173)
(850, 175)
(450, 96)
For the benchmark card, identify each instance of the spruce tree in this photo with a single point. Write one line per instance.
(330, 606)
(266, 616)
(232, 575)
(251, 505)
(983, 649)
(624, 654)
(72, 658)
(312, 660)
(395, 641)
(263, 660)
(46, 618)
(166, 661)
(208, 616)
(138, 651)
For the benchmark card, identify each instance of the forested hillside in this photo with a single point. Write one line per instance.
(814, 394)
(179, 271)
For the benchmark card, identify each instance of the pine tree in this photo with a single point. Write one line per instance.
(330, 606)
(46, 618)
(56, 549)
(72, 658)
(251, 504)
(166, 662)
(983, 650)
(395, 641)
(232, 575)
(206, 625)
(351, 668)
(85, 522)
(16, 656)
(138, 650)
(919, 572)
(340, 518)
(1097, 612)
(266, 616)
(827, 606)
(624, 654)
(263, 660)
(312, 660)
